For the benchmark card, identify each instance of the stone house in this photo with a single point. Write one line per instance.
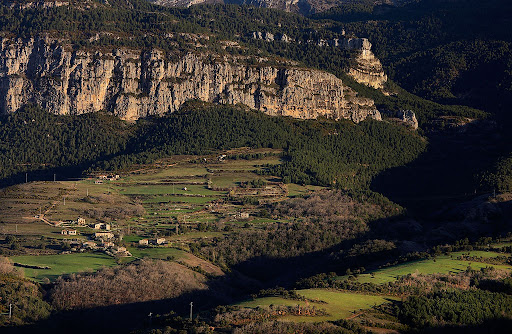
(160, 241)
(104, 235)
(68, 232)
(89, 244)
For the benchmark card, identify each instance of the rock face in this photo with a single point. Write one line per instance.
(368, 69)
(134, 84)
(406, 116)
(306, 7)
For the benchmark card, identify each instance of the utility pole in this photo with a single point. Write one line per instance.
(54, 177)
(26, 177)
(191, 305)
(87, 192)
(64, 200)
(16, 228)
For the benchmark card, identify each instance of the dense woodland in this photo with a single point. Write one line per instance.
(340, 153)
(456, 44)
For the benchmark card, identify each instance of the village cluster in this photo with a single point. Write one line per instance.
(104, 239)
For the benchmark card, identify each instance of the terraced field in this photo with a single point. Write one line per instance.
(444, 264)
(337, 304)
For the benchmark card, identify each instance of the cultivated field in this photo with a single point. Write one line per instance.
(182, 199)
(444, 264)
(337, 304)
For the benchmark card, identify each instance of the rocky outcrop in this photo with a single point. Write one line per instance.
(134, 84)
(406, 116)
(367, 69)
(183, 3)
(35, 4)
(305, 7)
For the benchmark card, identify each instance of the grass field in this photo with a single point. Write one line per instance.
(443, 264)
(157, 252)
(144, 198)
(193, 189)
(298, 190)
(179, 199)
(169, 172)
(339, 304)
(227, 180)
(63, 264)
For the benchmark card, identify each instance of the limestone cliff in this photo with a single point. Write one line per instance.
(368, 69)
(134, 84)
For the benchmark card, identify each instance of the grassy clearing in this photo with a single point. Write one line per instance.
(63, 264)
(228, 180)
(182, 170)
(245, 165)
(196, 235)
(443, 264)
(157, 252)
(193, 189)
(339, 304)
(295, 190)
(178, 199)
(502, 244)
(34, 228)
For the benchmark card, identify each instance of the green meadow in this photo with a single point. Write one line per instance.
(62, 264)
(338, 304)
(442, 264)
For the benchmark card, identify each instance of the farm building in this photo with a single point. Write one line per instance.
(89, 244)
(102, 226)
(107, 244)
(68, 232)
(104, 235)
(160, 241)
(144, 242)
(121, 251)
(80, 221)
(241, 215)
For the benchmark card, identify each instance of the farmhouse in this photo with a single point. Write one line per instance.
(144, 242)
(102, 226)
(89, 244)
(80, 221)
(104, 235)
(241, 215)
(107, 244)
(160, 241)
(68, 232)
(120, 251)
